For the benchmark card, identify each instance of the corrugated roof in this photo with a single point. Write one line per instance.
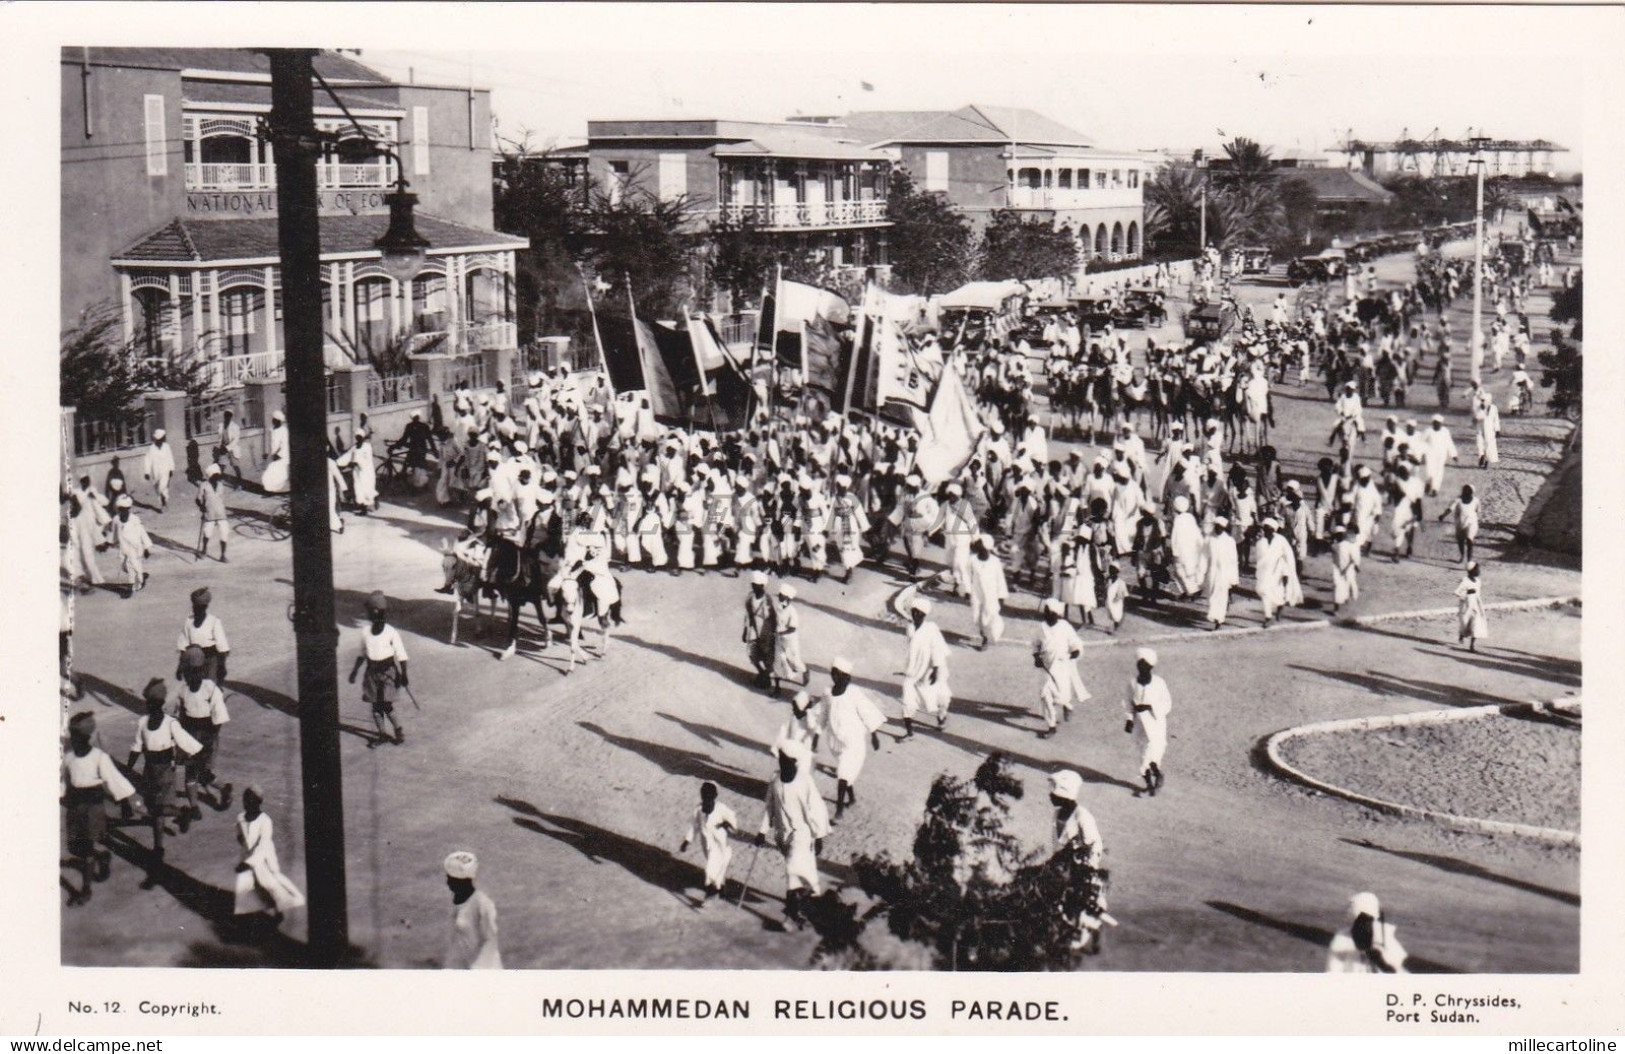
(204, 241)
(229, 60)
(1339, 184)
(975, 123)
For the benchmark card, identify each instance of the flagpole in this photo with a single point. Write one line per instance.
(597, 338)
(857, 346)
(773, 339)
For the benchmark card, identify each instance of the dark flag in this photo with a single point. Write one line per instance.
(821, 355)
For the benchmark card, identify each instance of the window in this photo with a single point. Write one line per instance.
(620, 175)
(1134, 178)
(1100, 180)
(157, 144)
(1117, 177)
(936, 170)
(1083, 179)
(429, 302)
(1064, 179)
(239, 309)
(420, 140)
(673, 176)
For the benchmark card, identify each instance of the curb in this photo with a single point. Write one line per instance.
(1273, 745)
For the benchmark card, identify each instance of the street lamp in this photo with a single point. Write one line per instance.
(402, 248)
(1476, 352)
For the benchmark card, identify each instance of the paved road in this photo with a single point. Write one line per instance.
(575, 791)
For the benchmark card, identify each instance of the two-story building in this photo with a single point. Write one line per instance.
(988, 158)
(169, 204)
(812, 187)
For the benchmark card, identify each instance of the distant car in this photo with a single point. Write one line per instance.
(1321, 267)
(1256, 259)
(1094, 312)
(1143, 307)
(1209, 321)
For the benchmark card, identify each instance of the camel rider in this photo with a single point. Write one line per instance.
(586, 559)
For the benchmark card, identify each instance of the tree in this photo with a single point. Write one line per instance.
(1173, 209)
(1297, 204)
(640, 238)
(1250, 167)
(102, 375)
(537, 198)
(1014, 247)
(742, 258)
(930, 239)
(970, 897)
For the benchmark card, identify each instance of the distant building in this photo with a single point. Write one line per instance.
(1434, 157)
(169, 204)
(810, 186)
(987, 158)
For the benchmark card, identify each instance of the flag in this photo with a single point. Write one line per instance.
(618, 350)
(657, 378)
(597, 335)
(709, 354)
(899, 376)
(949, 432)
(795, 303)
(821, 359)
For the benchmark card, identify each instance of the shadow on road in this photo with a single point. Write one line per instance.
(727, 670)
(1312, 934)
(714, 735)
(1042, 765)
(110, 694)
(1410, 688)
(680, 762)
(1464, 867)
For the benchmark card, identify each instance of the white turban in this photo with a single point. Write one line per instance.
(1146, 655)
(922, 605)
(1364, 904)
(787, 591)
(1066, 784)
(1182, 503)
(795, 750)
(462, 864)
(841, 663)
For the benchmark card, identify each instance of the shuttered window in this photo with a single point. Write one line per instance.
(157, 143)
(420, 140)
(936, 170)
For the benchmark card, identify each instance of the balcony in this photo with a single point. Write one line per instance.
(230, 177)
(804, 215)
(243, 177)
(1073, 198)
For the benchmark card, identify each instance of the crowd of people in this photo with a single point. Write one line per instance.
(567, 489)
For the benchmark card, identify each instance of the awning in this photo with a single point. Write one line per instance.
(988, 296)
(254, 241)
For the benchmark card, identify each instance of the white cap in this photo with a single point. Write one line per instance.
(922, 605)
(787, 591)
(124, 502)
(212, 471)
(986, 540)
(841, 663)
(483, 494)
(1146, 655)
(794, 749)
(158, 436)
(843, 480)
(801, 698)
(955, 489)
(278, 416)
(521, 447)
(1364, 904)
(758, 579)
(462, 864)
(1182, 503)
(1053, 606)
(1065, 784)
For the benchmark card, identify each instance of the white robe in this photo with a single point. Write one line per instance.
(1186, 548)
(1055, 651)
(797, 817)
(274, 479)
(1438, 449)
(1345, 571)
(988, 592)
(1151, 724)
(1277, 575)
(851, 718)
(158, 466)
(712, 829)
(263, 885)
(927, 649)
(1223, 574)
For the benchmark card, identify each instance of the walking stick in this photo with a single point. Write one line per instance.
(197, 550)
(744, 887)
(408, 690)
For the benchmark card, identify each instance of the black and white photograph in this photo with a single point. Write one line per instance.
(1041, 489)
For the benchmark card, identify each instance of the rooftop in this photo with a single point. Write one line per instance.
(210, 241)
(329, 64)
(975, 123)
(1339, 184)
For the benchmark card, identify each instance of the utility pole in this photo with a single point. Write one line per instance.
(1201, 166)
(293, 129)
(1476, 351)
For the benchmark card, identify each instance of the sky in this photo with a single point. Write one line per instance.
(1130, 77)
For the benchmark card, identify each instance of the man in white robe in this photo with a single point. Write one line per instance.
(1223, 571)
(1185, 548)
(1056, 652)
(958, 526)
(925, 673)
(797, 818)
(158, 467)
(1438, 447)
(853, 721)
(1277, 571)
(274, 478)
(1345, 568)
(715, 824)
(988, 591)
(1148, 706)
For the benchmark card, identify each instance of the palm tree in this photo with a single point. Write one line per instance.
(1173, 206)
(1249, 166)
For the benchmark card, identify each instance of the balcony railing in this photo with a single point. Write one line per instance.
(201, 176)
(374, 174)
(100, 437)
(385, 391)
(808, 214)
(1071, 197)
(234, 369)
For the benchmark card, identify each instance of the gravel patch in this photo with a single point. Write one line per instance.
(1499, 768)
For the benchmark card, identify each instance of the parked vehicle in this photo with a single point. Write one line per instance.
(1321, 267)
(1209, 322)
